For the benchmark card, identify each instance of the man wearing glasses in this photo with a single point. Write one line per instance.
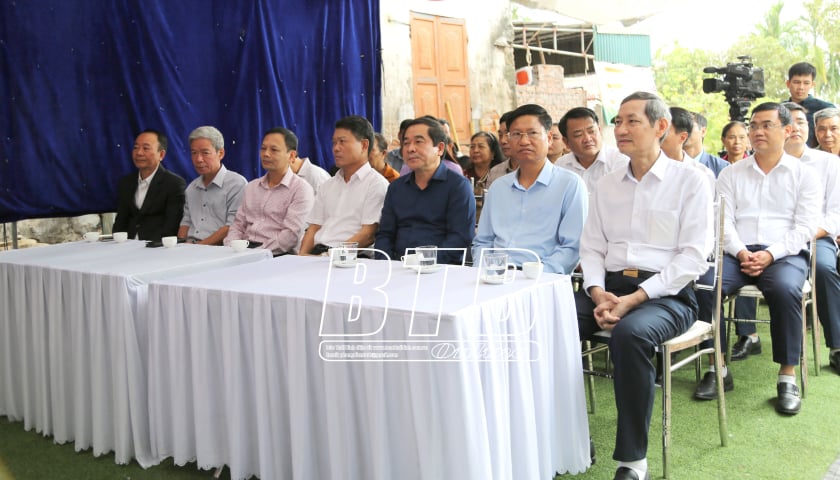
(773, 208)
(539, 207)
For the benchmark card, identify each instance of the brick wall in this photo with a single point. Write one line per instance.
(547, 90)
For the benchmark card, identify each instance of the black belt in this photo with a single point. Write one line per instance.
(632, 273)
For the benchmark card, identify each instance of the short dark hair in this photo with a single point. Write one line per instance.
(802, 68)
(359, 126)
(784, 113)
(531, 109)
(575, 113)
(163, 142)
(700, 119)
(493, 143)
(403, 126)
(681, 120)
(505, 118)
(655, 108)
(793, 106)
(288, 136)
(380, 141)
(436, 132)
(728, 127)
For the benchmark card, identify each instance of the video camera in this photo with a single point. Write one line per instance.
(742, 83)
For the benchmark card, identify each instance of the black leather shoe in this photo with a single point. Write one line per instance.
(624, 473)
(788, 401)
(834, 361)
(707, 388)
(745, 346)
(591, 452)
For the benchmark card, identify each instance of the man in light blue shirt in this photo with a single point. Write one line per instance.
(539, 207)
(214, 196)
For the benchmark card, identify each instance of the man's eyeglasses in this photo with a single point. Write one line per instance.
(518, 136)
(766, 127)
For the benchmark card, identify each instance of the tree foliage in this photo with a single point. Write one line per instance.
(774, 45)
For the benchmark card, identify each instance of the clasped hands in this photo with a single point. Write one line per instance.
(754, 263)
(609, 308)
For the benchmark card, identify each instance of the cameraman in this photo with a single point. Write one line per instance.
(800, 82)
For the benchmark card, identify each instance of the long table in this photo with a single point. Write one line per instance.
(71, 330)
(294, 369)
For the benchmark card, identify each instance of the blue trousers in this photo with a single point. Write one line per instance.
(781, 284)
(632, 346)
(828, 291)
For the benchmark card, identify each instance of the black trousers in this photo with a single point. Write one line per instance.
(632, 347)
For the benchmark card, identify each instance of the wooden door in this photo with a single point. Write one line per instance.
(440, 72)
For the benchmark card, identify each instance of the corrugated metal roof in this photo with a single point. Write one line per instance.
(623, 48)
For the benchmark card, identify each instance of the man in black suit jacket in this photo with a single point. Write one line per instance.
(150, 202)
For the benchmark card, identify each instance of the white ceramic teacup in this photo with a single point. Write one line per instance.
(91, 236)
(411, 260)
(120, 237)
(169, 242)
(239, 245)
(532, 269)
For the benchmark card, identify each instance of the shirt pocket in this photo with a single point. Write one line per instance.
(662, 227)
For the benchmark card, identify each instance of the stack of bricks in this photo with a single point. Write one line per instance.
(547, 90)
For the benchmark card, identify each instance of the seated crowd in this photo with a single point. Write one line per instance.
(636, 219)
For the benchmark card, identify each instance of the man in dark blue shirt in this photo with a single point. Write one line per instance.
(800, 82)
(432, 205)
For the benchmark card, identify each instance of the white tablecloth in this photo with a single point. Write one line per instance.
(71, 330)
(240, 374)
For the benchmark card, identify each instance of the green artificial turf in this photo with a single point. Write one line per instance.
(762, 443)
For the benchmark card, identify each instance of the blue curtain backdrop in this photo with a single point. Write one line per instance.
(81, 78)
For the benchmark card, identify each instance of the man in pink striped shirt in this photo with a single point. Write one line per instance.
(274, 207)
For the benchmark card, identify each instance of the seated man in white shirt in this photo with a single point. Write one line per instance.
(681, 127)
(213, 197)
(348, 206)
(643, 244)
(773, 208)
(313, 174)
(827, 279)
(588, 157)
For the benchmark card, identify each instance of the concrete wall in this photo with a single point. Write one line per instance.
(491, 66)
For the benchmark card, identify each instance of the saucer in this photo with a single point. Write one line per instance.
(494, 280)
(430, 269)
(345, 264)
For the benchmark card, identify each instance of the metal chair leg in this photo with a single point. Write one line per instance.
(666, 412)
(590, 380)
